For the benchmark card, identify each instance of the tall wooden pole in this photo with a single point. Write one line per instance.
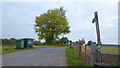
(98, 37)
(97, 27)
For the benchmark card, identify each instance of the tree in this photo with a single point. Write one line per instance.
(89, 43)
(64, 40)
(70, 42)
(50, 25)
(12, 39)
(38, 43)
(82, 41)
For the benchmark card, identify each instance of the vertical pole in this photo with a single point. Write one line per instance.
(85, 54)
(92, 53)
(97, 27)
(80, 50)
(98, 37)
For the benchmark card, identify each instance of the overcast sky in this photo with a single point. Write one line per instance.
(18, 19)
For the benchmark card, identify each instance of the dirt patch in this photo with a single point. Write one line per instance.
(105, 58)
(110, 59)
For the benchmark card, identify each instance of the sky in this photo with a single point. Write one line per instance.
(18, 19)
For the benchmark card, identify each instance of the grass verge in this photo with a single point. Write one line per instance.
(10, 49)
(73, 59)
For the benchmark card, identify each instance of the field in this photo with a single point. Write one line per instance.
(109, 54)
(108, 50)
(10, 49)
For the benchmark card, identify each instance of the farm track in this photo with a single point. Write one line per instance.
(36, 57)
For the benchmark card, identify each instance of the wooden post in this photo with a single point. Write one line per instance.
(79, 50)
(92, 53)
(97, 27)
(85, 54)
(98, 37)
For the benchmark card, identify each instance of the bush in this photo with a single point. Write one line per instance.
(9, 42)
(71, 46)
(37, 43)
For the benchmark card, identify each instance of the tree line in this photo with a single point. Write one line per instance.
(63, 40)
(9, 42)
(12, 41)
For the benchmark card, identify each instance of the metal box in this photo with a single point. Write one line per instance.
(28, 42)
(19, 44)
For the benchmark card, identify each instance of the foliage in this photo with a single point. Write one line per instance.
(50, 25)
(70, 42)
(38, 43)
(89, 43)
(10, 41)
(82, 41)
(72, 46)
(64, 40)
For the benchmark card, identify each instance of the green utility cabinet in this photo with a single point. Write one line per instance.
(19, 44)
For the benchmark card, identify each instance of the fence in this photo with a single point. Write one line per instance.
(89, 54)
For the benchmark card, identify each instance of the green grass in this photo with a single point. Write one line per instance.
(115, 63)
(73, 59)
(108, 50)
(10, 49)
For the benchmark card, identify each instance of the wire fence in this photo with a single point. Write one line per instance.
(90, 55)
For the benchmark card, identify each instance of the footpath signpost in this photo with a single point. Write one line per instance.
(98, 48)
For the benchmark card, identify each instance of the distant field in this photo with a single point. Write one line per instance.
(109, 50)
(106, 58)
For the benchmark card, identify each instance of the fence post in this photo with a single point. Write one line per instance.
(80, 50)
(92, 53)
(85, 54)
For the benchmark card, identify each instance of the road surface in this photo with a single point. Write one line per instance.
(36, 57)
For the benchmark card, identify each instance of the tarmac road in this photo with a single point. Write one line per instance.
(36, 57)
